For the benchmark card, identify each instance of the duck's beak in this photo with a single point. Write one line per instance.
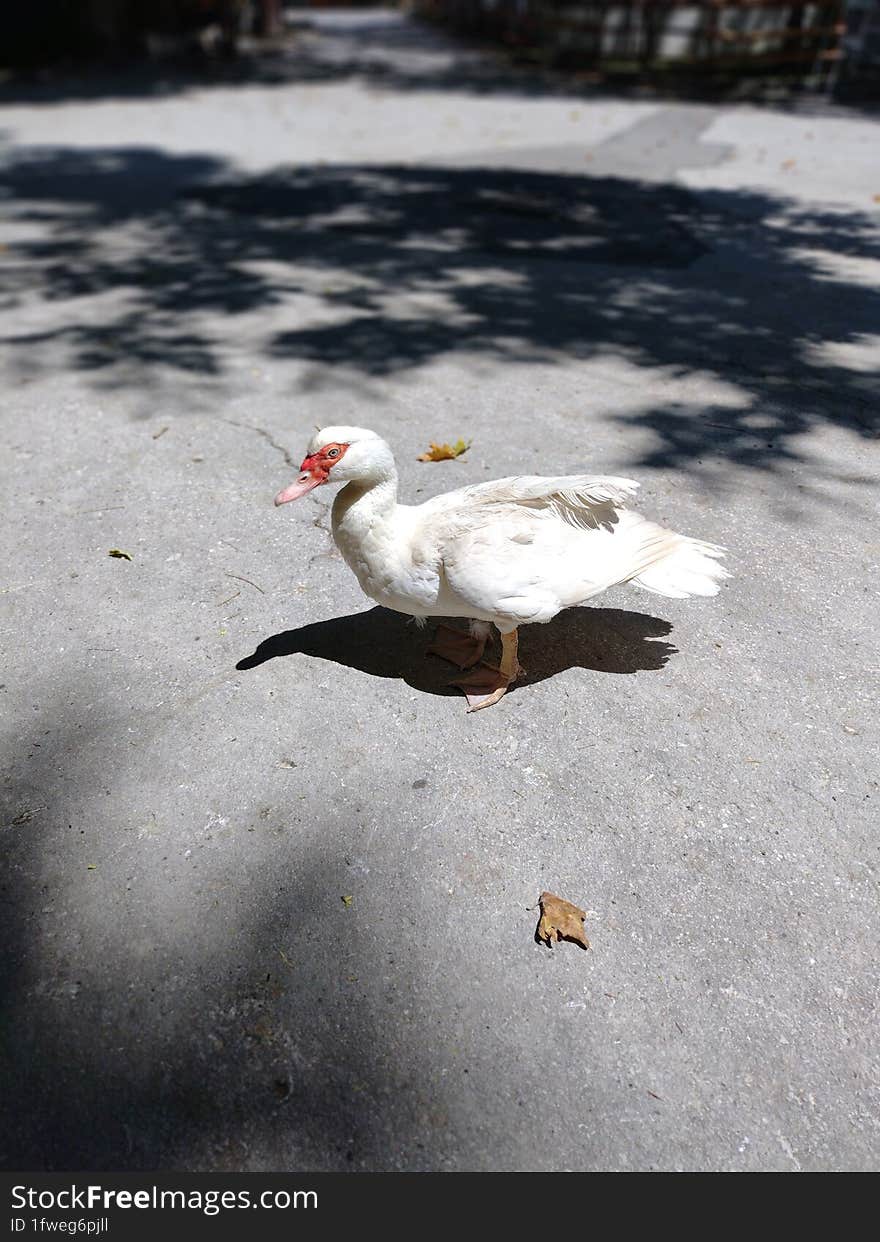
(303, 484)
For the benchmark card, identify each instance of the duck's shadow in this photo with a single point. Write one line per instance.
(387, 644)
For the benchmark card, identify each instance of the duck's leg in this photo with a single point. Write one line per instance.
(463, 650)
(485, 685)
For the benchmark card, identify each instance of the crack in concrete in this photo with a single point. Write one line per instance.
(319, 520)
(261, 431)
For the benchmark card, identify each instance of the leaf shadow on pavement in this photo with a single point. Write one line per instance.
(386, 644)
(136, 267)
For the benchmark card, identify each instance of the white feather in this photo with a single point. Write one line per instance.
(510, 551)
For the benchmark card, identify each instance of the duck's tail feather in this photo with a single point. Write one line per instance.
(679, 566)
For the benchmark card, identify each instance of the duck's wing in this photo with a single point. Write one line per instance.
(582, 500)
(514, 547)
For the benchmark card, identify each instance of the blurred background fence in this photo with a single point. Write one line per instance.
(651, 37)
(814, 42)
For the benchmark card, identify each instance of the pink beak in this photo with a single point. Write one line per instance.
(304, 483)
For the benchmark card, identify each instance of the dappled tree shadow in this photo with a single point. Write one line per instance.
(411, 264)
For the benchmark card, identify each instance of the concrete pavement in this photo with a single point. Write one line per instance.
(208, 747)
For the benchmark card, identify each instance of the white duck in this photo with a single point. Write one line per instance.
(507, 553)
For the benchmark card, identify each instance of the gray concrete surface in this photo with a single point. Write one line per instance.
(208, 747)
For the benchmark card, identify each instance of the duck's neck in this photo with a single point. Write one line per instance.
(364, 505)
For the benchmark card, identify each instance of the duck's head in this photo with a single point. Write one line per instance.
(340, 455)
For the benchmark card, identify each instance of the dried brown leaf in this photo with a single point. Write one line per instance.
(560, 920)
(445, 452)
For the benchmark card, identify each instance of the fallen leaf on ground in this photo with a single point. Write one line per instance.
(788, 163)
(445, 452)
(119, 554)
(346, 901)
(877, 198)
(560, 920)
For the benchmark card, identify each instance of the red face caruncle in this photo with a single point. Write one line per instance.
(324, 460)
(315, 470)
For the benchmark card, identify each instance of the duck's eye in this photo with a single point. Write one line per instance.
(333, 452)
